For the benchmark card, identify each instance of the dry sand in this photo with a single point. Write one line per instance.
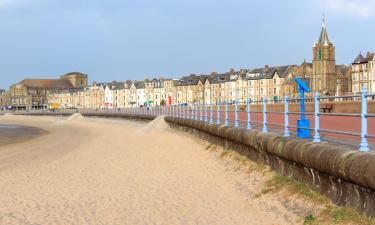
(97, 171)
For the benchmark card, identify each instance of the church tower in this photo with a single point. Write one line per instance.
(324, 77)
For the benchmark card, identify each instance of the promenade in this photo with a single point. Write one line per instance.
(97, 171)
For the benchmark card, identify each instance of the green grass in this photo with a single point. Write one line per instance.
(310, 219)
(277, 182)
(244, 161)
(209, 146)
(330, 214)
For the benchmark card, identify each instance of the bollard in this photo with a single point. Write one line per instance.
(286, 117)
(211, 114)
(218, 113)
(316, 119)
(226, 113)
(248, 114)
(363, 147)
(236, 113)
(265, 128)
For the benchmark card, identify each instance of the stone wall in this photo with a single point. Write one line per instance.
(145, 118)
(345, 176)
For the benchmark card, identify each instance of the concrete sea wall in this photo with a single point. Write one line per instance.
(345, 176)
(137, 117)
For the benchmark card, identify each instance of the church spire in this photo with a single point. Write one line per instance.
(323, 38)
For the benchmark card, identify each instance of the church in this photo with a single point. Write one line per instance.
(323, 75)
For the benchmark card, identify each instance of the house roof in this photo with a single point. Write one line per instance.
(139, 84)
(75, 73)
(47, 83)
(361, 59)
(191, 80)
(344, 69)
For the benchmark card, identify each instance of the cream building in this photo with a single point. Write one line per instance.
(363, 73)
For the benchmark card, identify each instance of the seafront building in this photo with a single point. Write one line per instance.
(363, 73)
(269, 83)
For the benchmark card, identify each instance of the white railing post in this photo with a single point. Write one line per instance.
(218, 113)
(316, 118)
(236, 113)
(286, 117)
(201, 111)
(363, 147)
(205, 112)
(226, 113)
(265, 128)
(248, 114)
(192, 111)
(211, 114)
(196, 111)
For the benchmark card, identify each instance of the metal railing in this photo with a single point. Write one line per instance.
(255, 115)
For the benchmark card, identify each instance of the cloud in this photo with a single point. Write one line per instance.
(358, 8)
(4, 3)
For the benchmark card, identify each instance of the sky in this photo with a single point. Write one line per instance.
(133, 39)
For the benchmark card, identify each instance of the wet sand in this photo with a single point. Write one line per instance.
(12, 134)
(92, 171)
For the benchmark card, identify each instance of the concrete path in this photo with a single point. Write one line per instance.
(91, 171)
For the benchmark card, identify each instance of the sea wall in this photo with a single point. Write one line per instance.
(345, 176)
(137, 117)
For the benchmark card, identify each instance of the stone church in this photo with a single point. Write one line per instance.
(323, 75)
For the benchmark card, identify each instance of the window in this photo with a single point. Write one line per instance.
(274, 91)
(320, 54)
(274, 81)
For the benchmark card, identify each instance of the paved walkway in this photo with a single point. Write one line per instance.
(115, 172)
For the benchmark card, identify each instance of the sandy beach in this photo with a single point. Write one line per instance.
(97, 171)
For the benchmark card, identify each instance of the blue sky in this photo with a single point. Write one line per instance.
(122, 39)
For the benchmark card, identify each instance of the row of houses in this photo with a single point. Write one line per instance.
(214, 88)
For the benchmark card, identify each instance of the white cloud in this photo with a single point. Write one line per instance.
(358, 8)
(4, 3)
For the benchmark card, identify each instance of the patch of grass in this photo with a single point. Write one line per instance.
(310, 219)
(330, 214)
(277, 182)
(209, 146)
(344, 215)
(224, 153)
(243, 161)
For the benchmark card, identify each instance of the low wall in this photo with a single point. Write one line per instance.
(345, 176)
(145, 118)
(137, 117)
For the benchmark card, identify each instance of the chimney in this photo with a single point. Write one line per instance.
(94, 83)
(231, 70)
(266, 67)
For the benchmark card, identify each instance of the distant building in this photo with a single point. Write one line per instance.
(32, 93)
(4, 98)
(363, 73)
